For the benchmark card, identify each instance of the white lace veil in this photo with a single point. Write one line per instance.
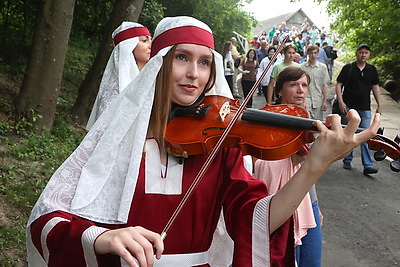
(98, 179)
(121, 67)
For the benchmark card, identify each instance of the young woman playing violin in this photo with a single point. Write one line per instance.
(291, 88)
(109, 201)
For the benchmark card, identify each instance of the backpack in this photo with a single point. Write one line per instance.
(330, 53)
(333, 55)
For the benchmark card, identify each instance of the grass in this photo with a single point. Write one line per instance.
(28, 160)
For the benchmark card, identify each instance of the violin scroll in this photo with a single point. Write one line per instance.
(386, 147)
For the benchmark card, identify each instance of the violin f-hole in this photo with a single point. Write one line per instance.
(204, 131)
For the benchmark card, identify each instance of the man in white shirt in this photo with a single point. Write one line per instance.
(318, 87)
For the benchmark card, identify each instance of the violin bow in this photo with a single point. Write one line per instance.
(218, 145)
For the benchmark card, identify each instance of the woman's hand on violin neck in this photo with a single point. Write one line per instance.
(337, 142)
(131, 243)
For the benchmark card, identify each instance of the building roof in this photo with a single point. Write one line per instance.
(292, 19)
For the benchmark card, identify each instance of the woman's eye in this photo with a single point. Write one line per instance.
(181, 57)
(204, 62)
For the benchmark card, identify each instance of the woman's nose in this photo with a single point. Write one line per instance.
(193, 72)
(301, 89)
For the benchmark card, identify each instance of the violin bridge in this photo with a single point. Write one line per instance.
(224, 110)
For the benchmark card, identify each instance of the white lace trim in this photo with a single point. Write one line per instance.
(260, 235)
(87, 239)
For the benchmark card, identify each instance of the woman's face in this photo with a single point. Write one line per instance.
(142, 51)
(191, 69)
(294, 92)
(252, 54)
(289, 54)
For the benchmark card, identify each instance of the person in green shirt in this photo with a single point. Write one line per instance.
(288, 51)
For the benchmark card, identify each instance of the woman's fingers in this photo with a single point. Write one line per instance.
(155, 240)
(371, 131)
(333, 121)
(336, 142)
(131, 244)
(353, 121)
(140, 248)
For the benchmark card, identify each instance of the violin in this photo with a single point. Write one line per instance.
(188, 136)
(274, 132)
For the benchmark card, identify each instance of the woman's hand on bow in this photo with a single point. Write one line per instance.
(131, 243)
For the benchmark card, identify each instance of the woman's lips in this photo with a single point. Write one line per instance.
(188, 87)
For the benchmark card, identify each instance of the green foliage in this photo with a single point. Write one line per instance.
(51, 148)
(152, 13)
(222, 16)
(78, 61)
(6, 106)
(17, 19)
(374, 22)
(13, 66)
(25, 125)
(9, 238)
(90, 17)
(26, 164)
(5, 127)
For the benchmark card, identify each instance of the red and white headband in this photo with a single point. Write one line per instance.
(130, 33)
(180, 35)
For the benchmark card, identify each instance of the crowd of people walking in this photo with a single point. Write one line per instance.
(110, 202)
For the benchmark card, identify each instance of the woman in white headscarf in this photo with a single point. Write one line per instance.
(109, 201)
(132, 43)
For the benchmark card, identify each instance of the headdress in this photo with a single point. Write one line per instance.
(121, 67)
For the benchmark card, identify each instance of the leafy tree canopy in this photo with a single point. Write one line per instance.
(374, 22)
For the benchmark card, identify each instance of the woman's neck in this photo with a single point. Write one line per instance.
(140, 65)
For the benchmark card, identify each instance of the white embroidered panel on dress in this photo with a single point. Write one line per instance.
(154, 182)
(260, 236)
(87, 239)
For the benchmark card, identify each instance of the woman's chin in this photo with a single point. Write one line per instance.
(185, 101)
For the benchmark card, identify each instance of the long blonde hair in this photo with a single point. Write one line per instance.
(163, 94)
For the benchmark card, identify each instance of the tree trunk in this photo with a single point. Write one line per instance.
(42, 81)
(123, 10)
